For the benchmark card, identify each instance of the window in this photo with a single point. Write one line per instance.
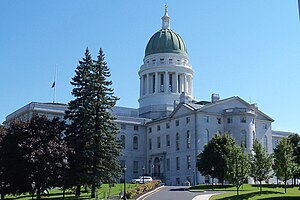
(188, 119)
(167, 125)
(244, 139)
(219, 120)
(135, 128)
(253, 136)
(253, 121)
(168, 164)
(135, 142)
(177, 122)
(150, 144)
(265, 126)
(243, 119)
(177, 141)
(229, 120)
(206, 136)
(158, 127)
(206, 119)
(135, 167)
(188, 139)
(177, 163)
(158, 142)
(123, 126)
(266, 143)
(123, 141)
(168, 140)
(150, 130)
(188, 162)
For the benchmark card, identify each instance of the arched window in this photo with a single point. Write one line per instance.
(266, 142)
(188, 139)
(244, 139)
(177, 141)
(123, 141)
(253, 135)
(206, 136)
(219, 132)
(135, 142)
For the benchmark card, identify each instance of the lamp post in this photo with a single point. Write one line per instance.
(143, 174)
(194, 181)
(152, 171)
(65, 163)
(124, 172)
(212, 177)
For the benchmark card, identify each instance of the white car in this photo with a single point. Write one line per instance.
(142, 179)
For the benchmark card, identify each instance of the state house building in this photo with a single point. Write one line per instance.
(170, 128)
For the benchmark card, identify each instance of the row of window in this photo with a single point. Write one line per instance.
(188, 163)
(168, 141)
(135, 142)
(158, 127)
(124, 126)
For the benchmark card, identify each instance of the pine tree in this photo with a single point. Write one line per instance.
(284, 160)
(92, 132)
(261, 163)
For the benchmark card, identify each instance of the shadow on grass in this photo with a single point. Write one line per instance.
(52, 196)
(178, 189)
(209, 187)
(272, 186)
(251, 194)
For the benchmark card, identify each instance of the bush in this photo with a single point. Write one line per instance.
(141, 188)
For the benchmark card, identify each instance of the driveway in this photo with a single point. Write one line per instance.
(178, 192)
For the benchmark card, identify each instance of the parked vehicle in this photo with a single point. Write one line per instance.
(142, 179)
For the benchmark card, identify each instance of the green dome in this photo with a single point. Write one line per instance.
(165, 41)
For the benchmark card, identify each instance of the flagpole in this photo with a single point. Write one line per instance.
(54, 84)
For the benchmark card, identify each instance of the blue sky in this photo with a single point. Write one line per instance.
(246, 48)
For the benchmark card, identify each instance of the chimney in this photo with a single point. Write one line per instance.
(215, 97)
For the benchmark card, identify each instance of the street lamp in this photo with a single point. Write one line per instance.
(124, 172)
(194, 182)
(143, 174)
(212, 177)
(152, 171)
(65, 163)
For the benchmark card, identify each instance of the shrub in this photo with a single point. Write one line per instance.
(141, 188)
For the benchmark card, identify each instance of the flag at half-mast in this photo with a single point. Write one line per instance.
(53, 85)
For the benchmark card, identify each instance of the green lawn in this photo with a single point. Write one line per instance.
(56, 194)
(251, 192)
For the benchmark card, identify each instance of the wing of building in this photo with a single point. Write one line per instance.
(170, 128)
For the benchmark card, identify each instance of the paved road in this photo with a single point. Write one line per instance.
(176, 192)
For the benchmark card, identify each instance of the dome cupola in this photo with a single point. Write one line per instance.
(165, 40)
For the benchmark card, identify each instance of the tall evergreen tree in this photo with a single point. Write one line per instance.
(238, 166)
(284, 160)
(2, 178)
(261, 163)
(213, 156)
(92, 131)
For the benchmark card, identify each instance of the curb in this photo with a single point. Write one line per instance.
(148, 193)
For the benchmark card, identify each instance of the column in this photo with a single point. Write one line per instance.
(156, 85)
(166, 83)
(176, 83)
(184, 83)
(191, 86)
(147, 84)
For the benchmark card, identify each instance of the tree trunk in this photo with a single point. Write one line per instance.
(93, 190)
(38, 193)
(237, 191)
(260, 186)
(284, 185)
(78, 190)
(2, 196)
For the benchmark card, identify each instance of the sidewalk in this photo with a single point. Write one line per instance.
(202, 197)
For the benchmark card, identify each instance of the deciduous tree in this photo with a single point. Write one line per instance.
(261, 163)
(238, 166)
(284, 160)
(213, 156)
